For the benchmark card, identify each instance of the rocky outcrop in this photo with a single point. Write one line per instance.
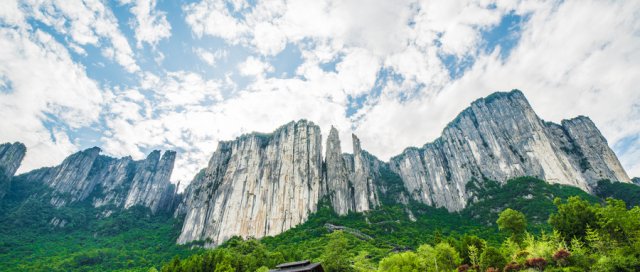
(500, 137)
(636, 181)
(109, 182)
(339, 187)
(11, 156)
(350, 178)
(363, 169)
(256, 185)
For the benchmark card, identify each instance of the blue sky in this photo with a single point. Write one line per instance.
(131, 76)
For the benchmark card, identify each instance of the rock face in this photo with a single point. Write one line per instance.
(11, 156)
(257, 185)
(109, 182)
(265, 184)
(500, 137)
(350, 178)
(636, 181)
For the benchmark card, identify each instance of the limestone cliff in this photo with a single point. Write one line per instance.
(11, 156)
(350, 178)
(256, 185)
(110, 182)
(500, 137)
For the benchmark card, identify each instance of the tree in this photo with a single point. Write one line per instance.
(491, 257)
(401, 262)
(447, 257)
(573, 217)
(363, 263)
(336, 256)
(427, 256)
(224, 267)
(513, 222)
(474, 256)
(466, 243)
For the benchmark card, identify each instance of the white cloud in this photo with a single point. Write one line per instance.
(213, 18)
(10, 13)
(180, 117)
(44, 84)
(254, 67)
(85, 23)
(209, 57)
(150, 25)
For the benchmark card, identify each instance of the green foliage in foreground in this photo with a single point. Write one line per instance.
(130, 241)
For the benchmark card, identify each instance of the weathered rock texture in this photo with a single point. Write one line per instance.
(11, 156)
(109, 182)
(350, 178)
(264, 184)
(500, 137)
(257, 185)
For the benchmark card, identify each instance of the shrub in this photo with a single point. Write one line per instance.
(536, 263)
(561, 256)
(512, 266)
(464, 268)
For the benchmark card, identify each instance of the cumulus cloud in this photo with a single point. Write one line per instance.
(254, 67)
(43, 85)
(150, 25)
(85, 23)
(211, 57)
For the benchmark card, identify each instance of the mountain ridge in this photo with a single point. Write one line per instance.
(262, 184)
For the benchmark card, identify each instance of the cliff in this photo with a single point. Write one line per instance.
(11, 156)
(500, 137)
(257, 185)
(350, 178)
(109, 182)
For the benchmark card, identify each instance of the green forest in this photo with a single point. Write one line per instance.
(522, 225)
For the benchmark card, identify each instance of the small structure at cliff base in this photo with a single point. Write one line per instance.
(301, 266)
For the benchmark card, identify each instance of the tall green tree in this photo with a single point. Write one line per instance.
(362, 262)
(336, 256)
(573, 217)
(447, 257)
(513, 222)
(466, 243)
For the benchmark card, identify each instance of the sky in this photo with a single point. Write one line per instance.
(131, 76)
